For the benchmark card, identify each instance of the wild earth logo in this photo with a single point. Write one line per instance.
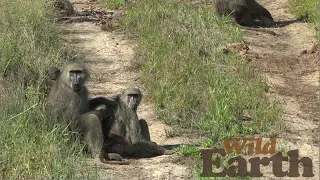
(254, 147)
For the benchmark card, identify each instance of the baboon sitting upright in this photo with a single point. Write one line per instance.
(245, 12)
(132, 98)
(122, 128)
(67, 102)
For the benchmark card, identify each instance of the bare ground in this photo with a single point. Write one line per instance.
(290, 61)
(108, 57)
(283, 56)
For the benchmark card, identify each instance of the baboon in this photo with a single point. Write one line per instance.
(132, 98)
(64, 7)
(245, 12)
(53, 72)
(122, 129)
(67, 102)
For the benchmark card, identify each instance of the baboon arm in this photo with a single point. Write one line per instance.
(98, 101)
(144, 129)
(145, 149)
(134, 135)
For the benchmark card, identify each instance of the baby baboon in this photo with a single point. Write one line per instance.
(123, 130)
(67, 102)
(245, 12)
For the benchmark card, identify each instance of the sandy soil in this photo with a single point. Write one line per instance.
(283, 56)
(289, 60)
(108, 57)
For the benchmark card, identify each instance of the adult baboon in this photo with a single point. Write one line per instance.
(64, 6)
(67, 102)
(245, 12)
(132, 98)
(123, 130)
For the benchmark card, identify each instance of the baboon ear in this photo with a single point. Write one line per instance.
(122, 91)
(53, 72)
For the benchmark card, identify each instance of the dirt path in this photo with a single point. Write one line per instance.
(108, 56)
(292, 71)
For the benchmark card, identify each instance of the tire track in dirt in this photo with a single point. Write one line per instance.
(293, 73)
(108, 57)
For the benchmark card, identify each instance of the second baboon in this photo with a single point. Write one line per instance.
(123, 130)
(245, 12)
(67, 102)
(132, 98)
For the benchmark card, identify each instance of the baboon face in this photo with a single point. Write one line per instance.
(132, 98)
(76, 79)
(75, 76)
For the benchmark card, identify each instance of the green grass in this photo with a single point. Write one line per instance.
(29, 42)
(113, 4)
(194, 91)
(206, 93)
(308, 10)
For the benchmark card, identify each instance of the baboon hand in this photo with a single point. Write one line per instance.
(168, 152)
(114, 157)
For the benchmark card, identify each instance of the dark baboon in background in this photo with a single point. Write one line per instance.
(122, 129)
(64, 7)
(67, 102)
(245, 12)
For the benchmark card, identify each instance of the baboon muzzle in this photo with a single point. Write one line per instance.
(75, 81)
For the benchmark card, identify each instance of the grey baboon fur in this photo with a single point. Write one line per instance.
(124, 130)
(68, 103)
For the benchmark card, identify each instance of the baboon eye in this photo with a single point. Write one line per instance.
(75, 74)
(134, 96)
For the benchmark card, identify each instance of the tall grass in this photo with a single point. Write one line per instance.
(205, 91)
(30, 42)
